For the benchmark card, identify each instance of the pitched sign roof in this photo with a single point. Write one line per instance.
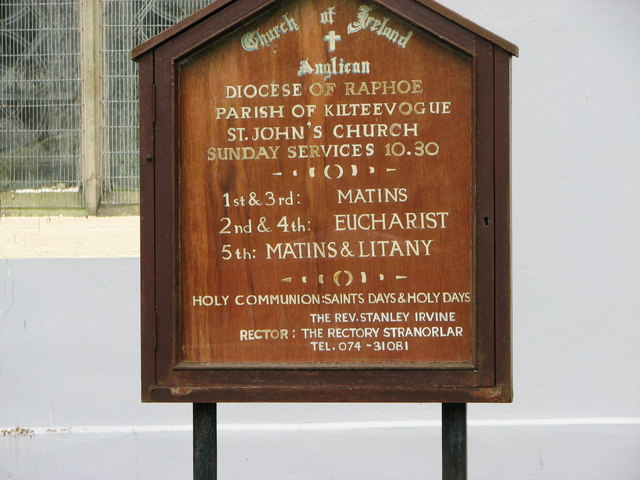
(217, 7)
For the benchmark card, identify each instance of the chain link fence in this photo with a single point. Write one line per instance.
(41, 104)
(125, 24)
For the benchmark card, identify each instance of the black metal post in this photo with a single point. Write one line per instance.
(454, 441)
(205, 447)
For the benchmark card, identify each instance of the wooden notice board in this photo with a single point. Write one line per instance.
(325, 205)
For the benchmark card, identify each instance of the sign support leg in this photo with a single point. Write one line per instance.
(454, 441)
(205, 448)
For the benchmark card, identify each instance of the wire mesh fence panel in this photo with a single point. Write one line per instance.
(126, 24)
(40, 104)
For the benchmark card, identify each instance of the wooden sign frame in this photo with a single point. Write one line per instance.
(165, 378)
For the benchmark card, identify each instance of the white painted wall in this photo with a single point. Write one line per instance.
(69, 329)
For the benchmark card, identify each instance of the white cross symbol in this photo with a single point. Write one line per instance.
(332, 38)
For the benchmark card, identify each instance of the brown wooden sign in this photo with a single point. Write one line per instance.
(325, 205)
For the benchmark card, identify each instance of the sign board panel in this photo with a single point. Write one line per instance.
(320, 211)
